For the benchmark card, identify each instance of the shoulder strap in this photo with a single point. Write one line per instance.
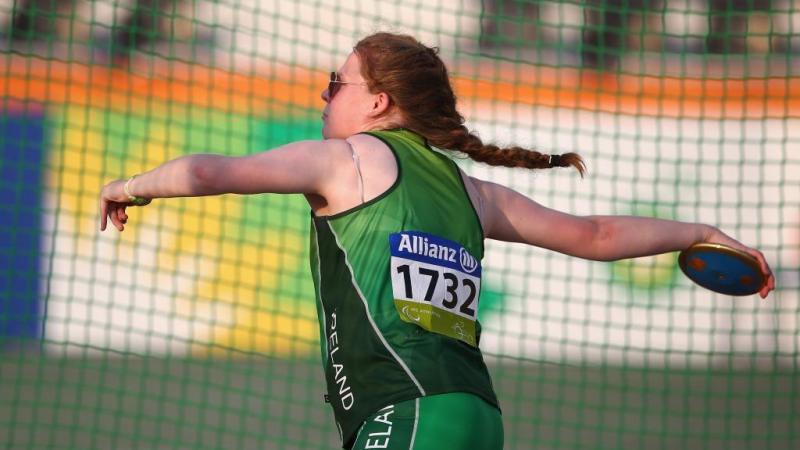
(357, 163)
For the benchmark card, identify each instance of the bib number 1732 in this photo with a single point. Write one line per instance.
(454, 286)
(436, 284)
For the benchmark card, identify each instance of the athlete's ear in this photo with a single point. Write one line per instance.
(381, 103)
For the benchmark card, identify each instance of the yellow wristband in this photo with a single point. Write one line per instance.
(135, 201)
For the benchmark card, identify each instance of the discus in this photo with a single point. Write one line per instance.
(722, 269)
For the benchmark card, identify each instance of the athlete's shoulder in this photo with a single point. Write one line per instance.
(344, 147)
(374, 152)
(334, 153)
(333, 147)
(368, 140)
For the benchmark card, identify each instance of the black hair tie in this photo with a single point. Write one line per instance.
(554, 161)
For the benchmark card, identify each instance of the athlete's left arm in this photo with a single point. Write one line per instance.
(304, 167)
(512, 217)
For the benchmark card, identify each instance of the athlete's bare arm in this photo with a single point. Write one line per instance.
(510, 216)
(306, 167)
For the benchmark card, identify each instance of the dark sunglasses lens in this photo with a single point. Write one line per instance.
(333, 86)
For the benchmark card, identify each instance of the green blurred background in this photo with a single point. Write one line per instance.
(196, 327)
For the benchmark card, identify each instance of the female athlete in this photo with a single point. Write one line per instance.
(397, 235)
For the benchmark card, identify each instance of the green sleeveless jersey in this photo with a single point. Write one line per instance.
(398, 283)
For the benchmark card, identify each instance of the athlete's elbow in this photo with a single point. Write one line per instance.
(203, 174)
(602, 238)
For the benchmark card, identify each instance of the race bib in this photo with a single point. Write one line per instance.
(436, 284)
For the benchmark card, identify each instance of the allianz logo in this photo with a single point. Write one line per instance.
(420, 245)
(468, 262)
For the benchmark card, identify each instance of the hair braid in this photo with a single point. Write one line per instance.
(514, 156)
(422, 92)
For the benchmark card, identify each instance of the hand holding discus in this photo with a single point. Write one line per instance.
(727, 270)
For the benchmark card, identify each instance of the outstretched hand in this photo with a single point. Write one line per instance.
(113, 202)
(718, 237)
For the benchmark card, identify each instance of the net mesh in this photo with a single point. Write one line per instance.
(196, 327)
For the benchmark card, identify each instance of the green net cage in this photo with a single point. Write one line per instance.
(196, 327)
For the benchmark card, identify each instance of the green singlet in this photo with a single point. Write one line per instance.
(398, 282)
(456, 421)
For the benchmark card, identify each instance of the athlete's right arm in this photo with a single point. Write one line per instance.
(305, 167)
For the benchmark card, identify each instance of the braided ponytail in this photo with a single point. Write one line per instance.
(417, 82)
(514, 156)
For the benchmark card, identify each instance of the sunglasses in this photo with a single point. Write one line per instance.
(334, 84)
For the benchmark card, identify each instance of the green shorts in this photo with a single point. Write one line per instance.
(455, 421)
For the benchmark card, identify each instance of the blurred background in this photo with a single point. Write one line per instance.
(600, 34)
(196, 327)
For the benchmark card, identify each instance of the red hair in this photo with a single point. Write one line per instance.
(417, 82)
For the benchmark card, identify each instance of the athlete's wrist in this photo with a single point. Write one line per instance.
(133, 199)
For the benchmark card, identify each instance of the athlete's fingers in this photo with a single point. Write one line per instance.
(768, 286)
(769, 278)
(121, 215)
(103, 215)
(762, 261)
(115, 218)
